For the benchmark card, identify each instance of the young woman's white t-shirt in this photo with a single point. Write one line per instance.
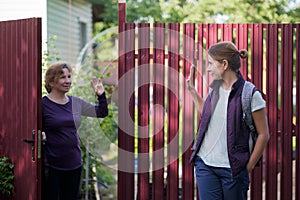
(213, 150)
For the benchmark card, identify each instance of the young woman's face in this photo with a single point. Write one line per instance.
(63, 83)
(215, 68)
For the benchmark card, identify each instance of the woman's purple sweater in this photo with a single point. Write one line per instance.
(60, 122)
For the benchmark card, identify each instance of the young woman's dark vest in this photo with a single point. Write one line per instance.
(237, 131)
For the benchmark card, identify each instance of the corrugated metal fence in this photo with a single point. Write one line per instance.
(157, 119)
(20, 103)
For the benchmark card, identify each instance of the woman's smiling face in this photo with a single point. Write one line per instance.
(63, 83)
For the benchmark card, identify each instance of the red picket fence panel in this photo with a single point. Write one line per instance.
(163, 121)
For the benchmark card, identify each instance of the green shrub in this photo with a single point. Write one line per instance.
(6, 176)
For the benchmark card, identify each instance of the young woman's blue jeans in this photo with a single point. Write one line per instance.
(217, 183)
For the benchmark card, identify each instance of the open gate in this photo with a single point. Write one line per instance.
(20, 103)
(157, 119)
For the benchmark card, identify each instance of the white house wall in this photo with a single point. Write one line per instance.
(64, 17)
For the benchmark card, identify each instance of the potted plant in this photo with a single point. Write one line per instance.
(6, 177)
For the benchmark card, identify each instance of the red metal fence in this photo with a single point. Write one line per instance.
(157, 119)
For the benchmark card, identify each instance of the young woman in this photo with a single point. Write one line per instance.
(61, 117)
(221, 151)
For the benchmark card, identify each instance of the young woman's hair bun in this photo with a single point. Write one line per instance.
(243, 53)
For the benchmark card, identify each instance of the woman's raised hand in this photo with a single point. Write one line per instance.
(97, 85)
(191, 79)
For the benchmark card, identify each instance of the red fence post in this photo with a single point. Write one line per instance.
(226, 32)
(121, 92)
(143, 110)
(256, 76)
(211, 38)
(272, 101)
(173, 110)
(125, 132)
(187, 112)
(242, 43)
(297, 131)
(287, 110)
(158, 114)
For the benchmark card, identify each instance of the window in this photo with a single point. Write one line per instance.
(83, 34)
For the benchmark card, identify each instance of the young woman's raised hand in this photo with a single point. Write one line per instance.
(191, 79)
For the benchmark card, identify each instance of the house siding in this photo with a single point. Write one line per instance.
(64, 18)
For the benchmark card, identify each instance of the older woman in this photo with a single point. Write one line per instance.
(61, 117)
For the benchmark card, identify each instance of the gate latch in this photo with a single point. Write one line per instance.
(31, 141)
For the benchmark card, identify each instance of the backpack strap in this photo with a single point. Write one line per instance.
(246, 104)
(247, 93)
